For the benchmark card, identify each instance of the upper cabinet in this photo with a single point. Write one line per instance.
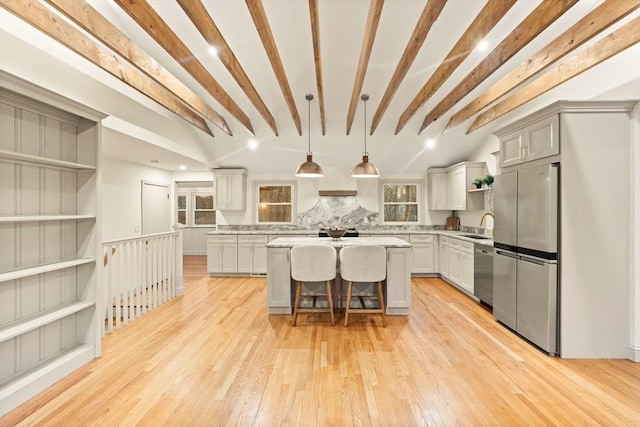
(533, 141)
(449, 187)
(230, 188)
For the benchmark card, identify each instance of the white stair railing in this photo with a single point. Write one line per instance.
(139, 275)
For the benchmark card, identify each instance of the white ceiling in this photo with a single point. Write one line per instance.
(140, 130)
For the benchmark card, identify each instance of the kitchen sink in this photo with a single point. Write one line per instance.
(475, 236)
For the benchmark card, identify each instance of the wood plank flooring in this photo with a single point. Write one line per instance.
(214, 357)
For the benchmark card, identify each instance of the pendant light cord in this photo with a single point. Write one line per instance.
(365, 98)
(309, 97)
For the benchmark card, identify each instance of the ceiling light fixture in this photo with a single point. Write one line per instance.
(365, 169)
(213, 50)
(483, 46)
(309, 169)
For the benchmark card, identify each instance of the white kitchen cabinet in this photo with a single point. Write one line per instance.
(422, 253)
(536, 140)
(50, 314)
(252, 254)
(449, 187)
(230, 189)
(438, 184)
(443, 255)
(222, 254)
(456, 262)
(461, 177)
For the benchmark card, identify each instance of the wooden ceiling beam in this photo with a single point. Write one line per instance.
(373, 18)
(200, 17)
(488, 17)
(315, 36)
(605, 15)
(44, 19)
(542, 16)
(90, 20)
(429, 15)
(148, 19)
(619, 40)
(261, 23)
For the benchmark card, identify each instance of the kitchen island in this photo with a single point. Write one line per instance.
(397, 286)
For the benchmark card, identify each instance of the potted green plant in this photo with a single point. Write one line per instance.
(477, 182)
(488, 180)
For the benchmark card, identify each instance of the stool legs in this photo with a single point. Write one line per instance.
(297, 302)
(297, 309)
(346, 310)
(381, 305)
(381, 308)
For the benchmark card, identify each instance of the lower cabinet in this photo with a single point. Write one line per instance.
(423, 253)
(456, 262)
(252, 254)
(222, 254)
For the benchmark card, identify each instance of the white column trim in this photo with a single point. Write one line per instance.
(634, 242)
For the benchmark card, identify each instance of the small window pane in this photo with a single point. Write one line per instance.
(401, 213)
(205, 217)
(182, 217)
(274, 213)
(182, 202)
(400, 193)
(204, 202)
(275, 194)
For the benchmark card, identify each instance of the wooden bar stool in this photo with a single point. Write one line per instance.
(364, 264)
(313, 263)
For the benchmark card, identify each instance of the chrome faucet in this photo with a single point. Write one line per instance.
(484, 215)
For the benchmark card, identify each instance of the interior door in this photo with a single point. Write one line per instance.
(156, 208)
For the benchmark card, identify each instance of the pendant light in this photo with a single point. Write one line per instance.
(364, 169)
(309, 169)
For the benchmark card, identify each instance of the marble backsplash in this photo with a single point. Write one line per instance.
(337, 212)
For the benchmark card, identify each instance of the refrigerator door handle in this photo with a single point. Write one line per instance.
(533, 260)
(508, 254)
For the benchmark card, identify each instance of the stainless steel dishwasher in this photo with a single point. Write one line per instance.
(483, 273)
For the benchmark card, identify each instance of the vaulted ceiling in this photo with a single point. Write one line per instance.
(418, 61)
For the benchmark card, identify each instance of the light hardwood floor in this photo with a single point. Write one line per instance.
(215, 357)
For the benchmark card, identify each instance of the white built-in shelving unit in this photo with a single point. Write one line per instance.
(49, 243)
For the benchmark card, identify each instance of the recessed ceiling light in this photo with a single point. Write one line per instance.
(253, 144)
(430, 143)
(183, 167)
(482, 46)
(213, 50)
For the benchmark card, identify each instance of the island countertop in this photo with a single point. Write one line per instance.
(387, 242)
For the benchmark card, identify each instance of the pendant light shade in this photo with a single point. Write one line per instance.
(364, 169)
(309, 169)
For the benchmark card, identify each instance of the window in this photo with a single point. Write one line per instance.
(400, 203)
(275, 203)
(194, 204)
(182, 209)
(203, 212)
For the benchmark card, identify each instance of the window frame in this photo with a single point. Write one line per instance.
(195, 194)
(275, 183)
(404, 182)
(191, 193)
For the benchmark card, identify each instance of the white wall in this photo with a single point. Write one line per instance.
(122, 196)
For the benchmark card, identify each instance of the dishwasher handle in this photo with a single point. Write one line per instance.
(484, 252)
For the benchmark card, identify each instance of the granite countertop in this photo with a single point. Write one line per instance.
(386, 231)
(289, 242)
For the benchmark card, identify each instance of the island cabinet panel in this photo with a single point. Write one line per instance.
(279, 281)
(399, 274)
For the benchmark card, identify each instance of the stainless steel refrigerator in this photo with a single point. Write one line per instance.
(525, 263)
